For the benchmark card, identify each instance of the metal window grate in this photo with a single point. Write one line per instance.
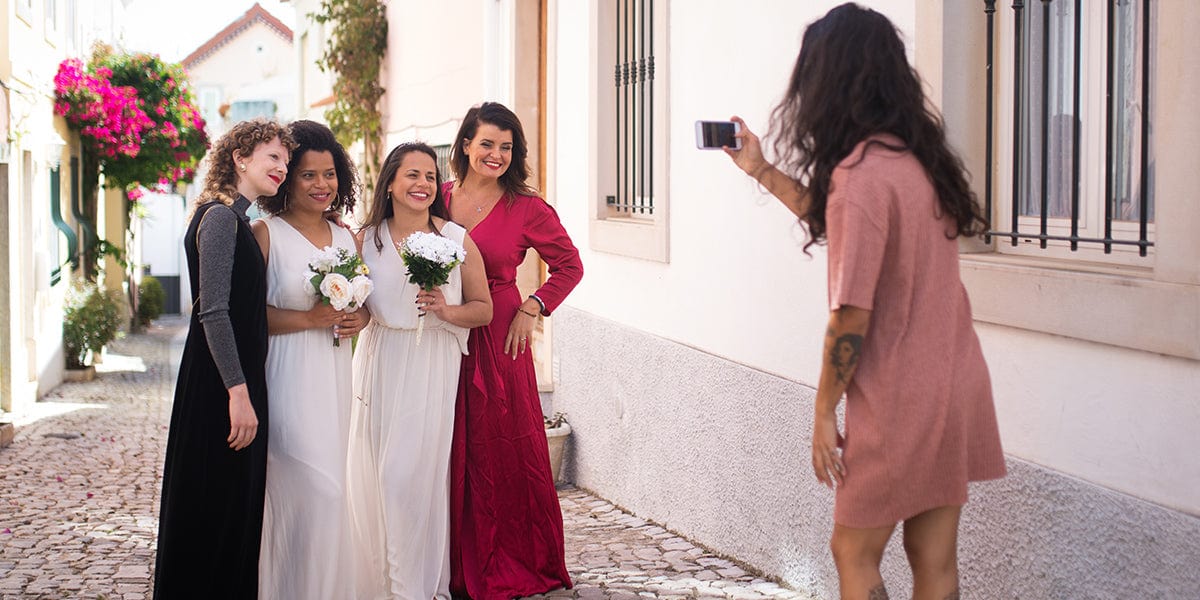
(443, 161)
(633, 78)
(1034, 122)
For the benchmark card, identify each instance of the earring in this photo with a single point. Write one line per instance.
(389, 195)
(287, 200)
(242, 166)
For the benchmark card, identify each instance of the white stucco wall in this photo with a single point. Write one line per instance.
(736, 264)
(433, 73)
(738, 287)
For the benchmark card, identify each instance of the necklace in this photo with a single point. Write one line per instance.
(467, 197)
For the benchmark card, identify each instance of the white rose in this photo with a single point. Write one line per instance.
(337, 288)
(361, 287)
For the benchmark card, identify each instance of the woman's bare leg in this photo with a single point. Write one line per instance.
(931, 542)
(857, 553)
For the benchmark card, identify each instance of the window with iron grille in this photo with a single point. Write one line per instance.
(1069, 128)
(443, 161)
(632, 96)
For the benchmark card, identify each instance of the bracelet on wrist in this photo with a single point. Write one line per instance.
(527, 312)
(541, 305)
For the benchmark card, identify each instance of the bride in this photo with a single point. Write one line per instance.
(404, 393)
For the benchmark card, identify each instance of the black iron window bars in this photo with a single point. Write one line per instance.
(1034, 124)
(633, 76)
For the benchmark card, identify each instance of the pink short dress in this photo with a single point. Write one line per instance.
(920, 422)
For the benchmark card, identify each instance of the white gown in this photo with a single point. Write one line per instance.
(402, 425)
(306, 540)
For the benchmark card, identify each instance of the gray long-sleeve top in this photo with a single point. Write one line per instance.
(216, 239)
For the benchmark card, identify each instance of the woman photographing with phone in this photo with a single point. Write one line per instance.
(866, 167)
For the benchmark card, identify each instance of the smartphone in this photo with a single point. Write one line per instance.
(712, 135)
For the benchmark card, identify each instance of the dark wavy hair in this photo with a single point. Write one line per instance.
(381, 202)
(493, 113)
(315, 137)
(222, 179)
(852, 80)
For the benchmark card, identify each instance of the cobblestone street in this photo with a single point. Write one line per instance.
(79, 500)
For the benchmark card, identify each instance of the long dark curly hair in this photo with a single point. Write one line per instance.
(315, 137)
(852, 80)
(381, 203)
(222, 179)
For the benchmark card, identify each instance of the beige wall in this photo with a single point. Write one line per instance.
(31, 310)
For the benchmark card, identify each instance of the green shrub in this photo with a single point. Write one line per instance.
(91, 318)
(151, 299)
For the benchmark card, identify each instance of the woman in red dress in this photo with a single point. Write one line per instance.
(506, 532)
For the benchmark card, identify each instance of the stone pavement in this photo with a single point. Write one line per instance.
(79, 493)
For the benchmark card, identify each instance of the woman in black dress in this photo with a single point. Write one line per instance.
(213, 481)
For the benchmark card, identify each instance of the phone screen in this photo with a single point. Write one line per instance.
(714, 134)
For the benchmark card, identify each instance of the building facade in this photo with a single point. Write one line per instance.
(41, 218)
(687, 358)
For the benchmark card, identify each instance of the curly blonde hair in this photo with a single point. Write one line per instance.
(221, 181)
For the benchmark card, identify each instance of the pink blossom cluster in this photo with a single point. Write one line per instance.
(110, 116)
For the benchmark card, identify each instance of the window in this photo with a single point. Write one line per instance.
(1069, 129)
(443, 161)
(631, 211)
(210, 105)
(51, 14)
(633, 97)
(25, 10)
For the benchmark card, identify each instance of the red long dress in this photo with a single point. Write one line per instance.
(506, 531)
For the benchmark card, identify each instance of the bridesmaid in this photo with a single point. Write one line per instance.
(306, 534)
(404, 392)
(213, 480)
(507, 531)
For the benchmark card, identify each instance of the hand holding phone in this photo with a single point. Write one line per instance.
(713, 135)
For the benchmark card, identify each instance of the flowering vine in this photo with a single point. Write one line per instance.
(137, 114)
(138, 124)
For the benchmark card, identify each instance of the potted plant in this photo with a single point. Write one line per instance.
(91, 318)
(151, 298)
(557, 430)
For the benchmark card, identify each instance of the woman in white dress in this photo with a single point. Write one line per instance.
(404, 394)
(306, 542)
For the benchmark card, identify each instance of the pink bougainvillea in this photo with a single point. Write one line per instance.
(135, 113)
(107, 116)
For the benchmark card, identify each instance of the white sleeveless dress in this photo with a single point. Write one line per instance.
(402, 425)
(306, 540)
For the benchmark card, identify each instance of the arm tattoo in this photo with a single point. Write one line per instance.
(878, 592)
(844, 354)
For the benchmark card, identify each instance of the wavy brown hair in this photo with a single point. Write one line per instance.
(514, 179)
(221, 181)
(381, 202)
(311, 136)
(851, 81)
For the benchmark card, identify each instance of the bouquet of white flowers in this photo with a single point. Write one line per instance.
(339, 276)
(430, 259)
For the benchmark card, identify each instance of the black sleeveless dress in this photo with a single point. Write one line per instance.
(210, 520)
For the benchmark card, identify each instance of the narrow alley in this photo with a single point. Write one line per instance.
(79, 492)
